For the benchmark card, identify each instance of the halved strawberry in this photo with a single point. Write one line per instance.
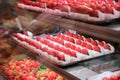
(83, 44)
(66, 38)
(73, 47)
(106, 46)
(78, 49)
(38, 38)
(75, 35)
(94, 42)
(96, 48)
(25, 33)
(62, 37)
(62, 49)
(80, 38)
(88, 40)
(67, 51)
(67, 45)
(51, 52)
(45, 49)
(35, 44)
(78, 42)
(84, 51)
(88, 46)
(45, 41)
(67, 33)
(55, 53)
(73, 53)
(48, 36)
(61, 41)
(58, 35)
(61, 57)
(71, 40)
(100, 43)
(57, 47)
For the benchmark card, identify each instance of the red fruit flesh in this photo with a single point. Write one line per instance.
(78, 49)
(83, 44)
(78, 42)
(84, 51)
(94, 42)
(96, 48)
(88, 46)
(106, 46)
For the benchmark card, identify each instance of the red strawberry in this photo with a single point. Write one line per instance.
(55, 53)
(73, 53)
(83, 44)
(94, 42)
(62, 49)
(42, 40)
(45, 41)
(58, 35)
(62, 37)
(66, 38)
(73, 47)
(61, 41)
(88, 40)
(45, 49)
(96, 48)
(101, 43)
(18, 36)
(48, 36)
(36, 44)
(25, 33)
(30, 41)
(105, 78)
(78, 49)
(71, 40)
(78, 42)
(52, 38)
(51, 52)
(80, 38)
(84, 51)
(38, 38)
(67, 51)
(88, 46)
(70, 34)
(61, 57)
(75, 35)
(106, 46)
(51, 45)
(67, 45)
(67, 33)
(57, 47)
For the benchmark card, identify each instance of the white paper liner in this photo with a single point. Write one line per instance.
(112, 49)
(116, 13)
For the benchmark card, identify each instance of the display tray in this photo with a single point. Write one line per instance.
(64, 47)
(106, 74)
(66, 11)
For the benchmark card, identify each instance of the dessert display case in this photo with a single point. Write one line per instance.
(73, 49)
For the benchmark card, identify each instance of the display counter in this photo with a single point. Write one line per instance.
(32, 29)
